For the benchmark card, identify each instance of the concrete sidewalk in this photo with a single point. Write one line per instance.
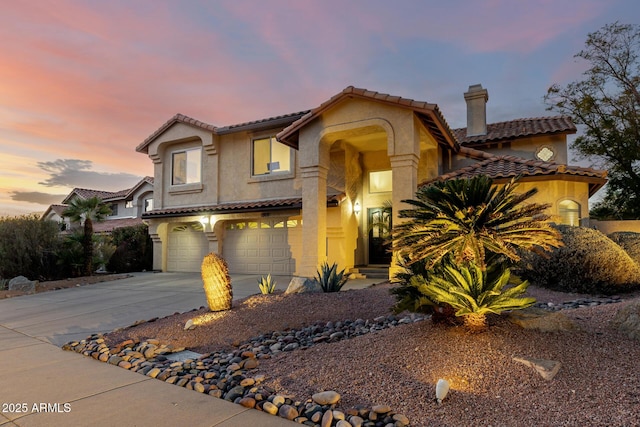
(42, 385)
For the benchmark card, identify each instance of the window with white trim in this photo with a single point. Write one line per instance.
(270, 157)
(186, 166)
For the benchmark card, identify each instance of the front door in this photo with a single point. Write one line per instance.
(379, 231)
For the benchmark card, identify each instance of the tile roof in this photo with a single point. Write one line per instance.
(87, 193)
(249, 206)
(518, 128)
(178, 118)
(429, 113)
(282, 120)
(111, 224)
(505, 167)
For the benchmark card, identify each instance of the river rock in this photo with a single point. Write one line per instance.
(326, 398)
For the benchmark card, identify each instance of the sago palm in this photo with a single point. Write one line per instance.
(474, 221)
(88, 210)
(473, 292)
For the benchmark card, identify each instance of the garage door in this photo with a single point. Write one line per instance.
(186, 248)
(259, 247)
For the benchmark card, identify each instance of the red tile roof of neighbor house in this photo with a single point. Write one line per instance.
(429, 113)
(249, 206)
(87, 193)
(519, 128)
(111, 224)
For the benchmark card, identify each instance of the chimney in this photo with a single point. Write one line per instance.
(476, 99)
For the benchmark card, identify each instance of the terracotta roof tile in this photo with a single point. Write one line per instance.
(429, 113)
(518, 128)
(111, 224)
(178, 118)
(510, 166)
(248, 206)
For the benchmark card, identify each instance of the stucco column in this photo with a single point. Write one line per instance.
(158, 263)
(314, 219)
(404, 169)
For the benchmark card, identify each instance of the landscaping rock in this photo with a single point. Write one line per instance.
(326, 398)
(22, 284)
(542, 320)
(627, 320)
(546, 368)
(299, 285)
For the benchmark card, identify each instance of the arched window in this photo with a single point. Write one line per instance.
(569, 212)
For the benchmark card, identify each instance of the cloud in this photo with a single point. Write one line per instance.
(37, 197)
(78, 174)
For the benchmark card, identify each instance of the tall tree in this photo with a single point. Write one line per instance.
(88, 210)
(606, 102)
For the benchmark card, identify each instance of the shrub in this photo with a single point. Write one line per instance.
(266, 284)
(134, 250)
(28, 247)
(628, 241)
(330, 279)
(589, 262)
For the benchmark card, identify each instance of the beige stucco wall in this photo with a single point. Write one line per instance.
(554, 191)
(608, 227)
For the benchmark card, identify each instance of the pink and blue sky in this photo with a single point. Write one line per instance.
(82, 83)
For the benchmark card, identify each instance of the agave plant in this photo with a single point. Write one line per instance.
(266, 284)
(474, 292)
(474, 221)
(330, 279)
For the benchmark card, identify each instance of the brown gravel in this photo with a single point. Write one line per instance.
(597, 385)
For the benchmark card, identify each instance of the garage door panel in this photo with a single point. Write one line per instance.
(186, 248)
(258, 250)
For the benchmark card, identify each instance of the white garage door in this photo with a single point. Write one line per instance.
(259, 247)
(186, 248)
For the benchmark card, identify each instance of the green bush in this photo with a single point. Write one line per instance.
(589, 262)
(28, 247)
(628, 241)
(330, 279)
(134, 250)
(266, 284)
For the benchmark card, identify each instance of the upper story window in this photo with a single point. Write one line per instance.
(186, 166)
(128, 204)
(148, 205)
(114, 209)
(380, 182)
(270, 157)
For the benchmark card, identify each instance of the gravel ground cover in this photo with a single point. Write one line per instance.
(597, 385)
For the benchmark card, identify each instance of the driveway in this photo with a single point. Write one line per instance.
(72, 314)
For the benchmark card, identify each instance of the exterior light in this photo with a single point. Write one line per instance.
(204, 220)
(357, 208)
(442, 388)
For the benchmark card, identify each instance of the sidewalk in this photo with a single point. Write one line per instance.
(51, 387)
(73, 390)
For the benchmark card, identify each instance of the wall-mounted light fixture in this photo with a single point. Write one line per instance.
(204, 220)
(357, 208)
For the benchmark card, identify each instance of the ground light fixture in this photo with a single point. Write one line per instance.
(442, 388)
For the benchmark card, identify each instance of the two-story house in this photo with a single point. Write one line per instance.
(127, 206)
(281, 195)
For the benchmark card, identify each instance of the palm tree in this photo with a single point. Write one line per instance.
(472, 220)
(87, 210)
(473, 292)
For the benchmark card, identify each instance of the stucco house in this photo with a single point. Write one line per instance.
(281, 195)
(127, 206)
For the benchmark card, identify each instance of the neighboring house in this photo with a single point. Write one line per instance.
(283, 194)
(127, 206)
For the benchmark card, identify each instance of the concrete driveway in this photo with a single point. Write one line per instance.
(75, 313)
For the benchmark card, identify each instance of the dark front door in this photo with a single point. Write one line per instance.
(379, 231)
